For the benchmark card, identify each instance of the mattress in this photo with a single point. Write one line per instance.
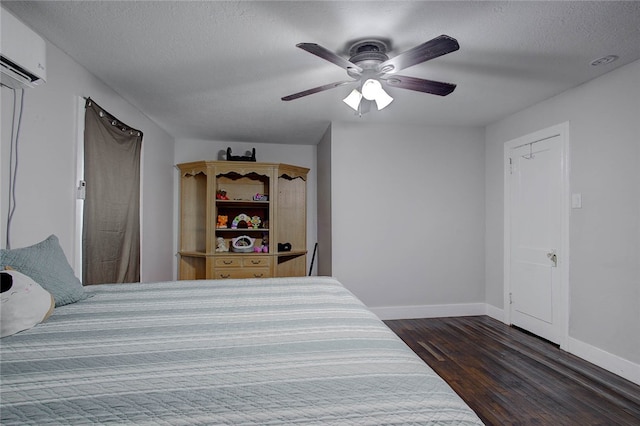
(233, 352)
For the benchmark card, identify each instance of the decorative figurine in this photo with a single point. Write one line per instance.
(221, 194)
(222, 221)
(255, 222)
(221, 245)
(264, 247)
(251, 157)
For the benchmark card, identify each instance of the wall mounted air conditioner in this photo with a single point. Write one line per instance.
(22, 54)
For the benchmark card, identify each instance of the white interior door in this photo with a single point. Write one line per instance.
(535, 279)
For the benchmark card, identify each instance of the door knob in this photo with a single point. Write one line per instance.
(553, 257)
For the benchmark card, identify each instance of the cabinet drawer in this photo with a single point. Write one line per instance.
(228, 262)
(243, 261)
(223, 273)
(256, 261)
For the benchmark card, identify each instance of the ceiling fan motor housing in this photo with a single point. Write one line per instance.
(367, 54)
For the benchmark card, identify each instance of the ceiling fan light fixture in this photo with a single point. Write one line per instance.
(369, 65)
(372, 90)
(353, 100)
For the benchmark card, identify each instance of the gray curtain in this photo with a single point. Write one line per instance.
(111, 222)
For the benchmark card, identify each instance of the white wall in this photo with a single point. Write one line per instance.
(604, 287)
(300, 155)
(47, 164)
(408, 215)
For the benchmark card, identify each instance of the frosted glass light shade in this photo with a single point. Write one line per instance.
(370, 89)
(353, 100)
(373, 91)
(383, 99)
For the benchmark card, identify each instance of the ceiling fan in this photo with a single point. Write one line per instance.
(370, 66)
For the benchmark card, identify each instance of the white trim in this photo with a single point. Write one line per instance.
(429, 311)
(495, 313)
(506, 234)
(141, 212)
(79, 204)
(603, 359)
(562, 131)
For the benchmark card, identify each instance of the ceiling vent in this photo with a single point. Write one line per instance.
(22, 54)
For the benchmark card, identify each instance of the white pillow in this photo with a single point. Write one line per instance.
(24, 303)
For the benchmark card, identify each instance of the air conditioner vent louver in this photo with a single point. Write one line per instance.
(22, 75)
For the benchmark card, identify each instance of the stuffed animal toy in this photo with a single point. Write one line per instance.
(255, 222)
(24, 303)
(222, 221)
(221, 245)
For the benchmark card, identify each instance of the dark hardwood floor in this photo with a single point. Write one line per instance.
(509, 377)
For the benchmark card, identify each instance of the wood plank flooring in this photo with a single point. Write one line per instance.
(509, 377)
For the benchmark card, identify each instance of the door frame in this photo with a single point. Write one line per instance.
(562, 131)
(79, 202)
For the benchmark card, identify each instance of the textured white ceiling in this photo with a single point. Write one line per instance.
(217, 70)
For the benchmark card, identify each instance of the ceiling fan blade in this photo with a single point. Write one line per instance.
(330, 56)
(420, 85)
(317, 89)
(438, 46)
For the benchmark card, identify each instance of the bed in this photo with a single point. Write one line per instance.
(231, 352)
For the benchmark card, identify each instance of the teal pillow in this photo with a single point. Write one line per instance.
(47, 265)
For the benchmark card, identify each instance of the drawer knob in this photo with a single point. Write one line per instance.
(227, 262)
(258, 275)
(225, 275)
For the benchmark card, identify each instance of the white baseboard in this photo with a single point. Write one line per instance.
(495, 313)
(610, 362)
(429, 311)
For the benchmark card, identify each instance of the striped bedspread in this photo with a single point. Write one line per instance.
(236, 352)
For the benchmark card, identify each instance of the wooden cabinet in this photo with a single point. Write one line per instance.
(264, 205)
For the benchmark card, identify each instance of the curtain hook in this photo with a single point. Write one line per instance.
(101, 114)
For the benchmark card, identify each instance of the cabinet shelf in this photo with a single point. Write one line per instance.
(292, 253)
(242, 229)
(242, 203)
(232, 253)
